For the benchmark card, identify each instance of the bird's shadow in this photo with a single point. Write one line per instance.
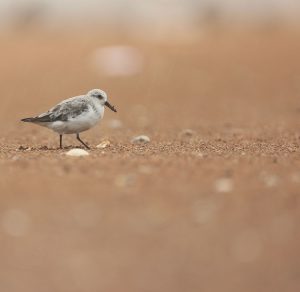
(46, 148)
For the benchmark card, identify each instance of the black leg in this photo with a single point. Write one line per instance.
(78, 138)
(60, 141)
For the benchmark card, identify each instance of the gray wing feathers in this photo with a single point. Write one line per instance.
(64, 111)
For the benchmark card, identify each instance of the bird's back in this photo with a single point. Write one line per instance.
(63, 111)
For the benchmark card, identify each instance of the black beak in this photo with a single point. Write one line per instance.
(110, 106)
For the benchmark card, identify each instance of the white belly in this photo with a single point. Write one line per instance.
(76, 125)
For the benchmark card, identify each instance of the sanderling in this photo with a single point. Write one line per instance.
(74, 115)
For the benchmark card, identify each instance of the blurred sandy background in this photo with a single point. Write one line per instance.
(210, 204)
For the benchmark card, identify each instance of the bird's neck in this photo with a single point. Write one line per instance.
(97, 106)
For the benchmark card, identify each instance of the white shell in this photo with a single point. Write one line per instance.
(104, 144)
(141, 139)
(77, 152)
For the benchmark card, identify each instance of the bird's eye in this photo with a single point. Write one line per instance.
(100, 96)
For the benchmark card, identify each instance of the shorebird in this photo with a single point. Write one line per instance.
(74, 115)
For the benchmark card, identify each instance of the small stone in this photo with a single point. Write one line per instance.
(270, 180)
(141, 139)
(187, 133)
(23, 148)
(44, 148)
(224, 185)
(199, 154)
(103, 144)
(77, 152)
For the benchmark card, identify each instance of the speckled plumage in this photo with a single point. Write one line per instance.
(74, 115)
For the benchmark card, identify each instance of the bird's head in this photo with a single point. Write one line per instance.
(101, 97)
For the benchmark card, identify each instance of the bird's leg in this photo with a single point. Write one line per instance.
(60, 141)
(78, 138)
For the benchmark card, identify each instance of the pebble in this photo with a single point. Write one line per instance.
(76, 152)
(103, 144)
(224, 185)
(23, 148)
(187, 133)
(270, 180)
(141, 139)
(199, 154)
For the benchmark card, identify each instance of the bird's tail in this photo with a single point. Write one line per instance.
(28, 120)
